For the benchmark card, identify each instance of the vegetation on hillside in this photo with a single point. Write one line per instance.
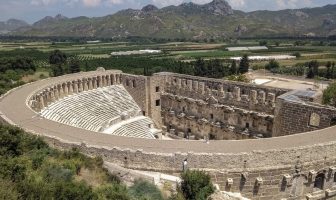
(30, 169)
(329, 95)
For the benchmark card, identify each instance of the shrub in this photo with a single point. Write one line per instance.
(329, 95)
(145, 190)
(113, 191)
(196, 185)
(273, 64)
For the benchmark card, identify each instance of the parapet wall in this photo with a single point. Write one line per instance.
(293, 117)
(247, 96)
(57, 90)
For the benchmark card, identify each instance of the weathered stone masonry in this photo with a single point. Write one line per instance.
(292, 167)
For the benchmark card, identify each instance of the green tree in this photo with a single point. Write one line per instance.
(233, 67)
(57, 57)
(329, 70)
(244, 64)
(312, 69)
(329, 95)
(145, 190)
(113, 191)
(58, 61)
(273, 64)
(263, 43)
(200, 68)
(196, 185)
(74, 66)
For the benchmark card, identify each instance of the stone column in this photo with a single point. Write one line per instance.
(75, 86)
(60, 91)
(90, 86)
(254, 96)
(236, 93)
(113, 79)
(100, 82)
(56, 94)
(179, 83)
(190, 85)
(221, 91)
(195, 86)
(70, 88)
(201, 87)
(271, 98)
(262, 97)
(40, 101)
(94, 82)
(65, 89)
(81, 85)
(52, 95)
(45, 98)
(117, 76)
(108, 80)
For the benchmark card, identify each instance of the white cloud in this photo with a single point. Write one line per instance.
(91, 3)
(115, 1)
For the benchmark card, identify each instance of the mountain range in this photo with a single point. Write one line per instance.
(189, 20)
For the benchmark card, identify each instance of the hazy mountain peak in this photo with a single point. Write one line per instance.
(219, 7)
(149, 8)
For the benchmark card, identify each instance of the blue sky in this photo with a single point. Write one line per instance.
(33, 10)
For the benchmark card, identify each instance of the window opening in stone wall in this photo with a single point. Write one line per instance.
(144, 113)
(333, 122)
(127, 82)
(157, 102)
(319, 181)
(212, 136)
(247, 125)
(157, 89)
(335, 177)
(211, 116)
(134, 83)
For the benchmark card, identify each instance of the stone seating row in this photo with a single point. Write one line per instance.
(94, 109)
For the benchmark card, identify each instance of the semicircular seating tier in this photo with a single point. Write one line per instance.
(110, 110)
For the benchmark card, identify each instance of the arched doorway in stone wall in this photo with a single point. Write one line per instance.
(319, 181)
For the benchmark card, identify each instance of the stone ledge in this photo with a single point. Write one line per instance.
(316, 195)
(331, 192)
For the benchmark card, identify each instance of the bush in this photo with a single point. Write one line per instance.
(145, 190)
(329, 95)
(196, 185)
(273, 64)
(113, 191)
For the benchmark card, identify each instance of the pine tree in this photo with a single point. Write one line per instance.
(74, 66)
(244, 64)
(233, 68)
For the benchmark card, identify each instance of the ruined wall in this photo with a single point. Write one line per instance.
(137, 88)
(43, 97)
(242, 95)
(295, 116)
(215, 108)
(155, 88)
(188, 117)
(293, 173)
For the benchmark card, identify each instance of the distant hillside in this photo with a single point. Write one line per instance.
(11, 25)
(213, 20)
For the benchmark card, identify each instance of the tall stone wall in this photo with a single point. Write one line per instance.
(294, 173)
(295, 116)
(188, 117)
(137, 88)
